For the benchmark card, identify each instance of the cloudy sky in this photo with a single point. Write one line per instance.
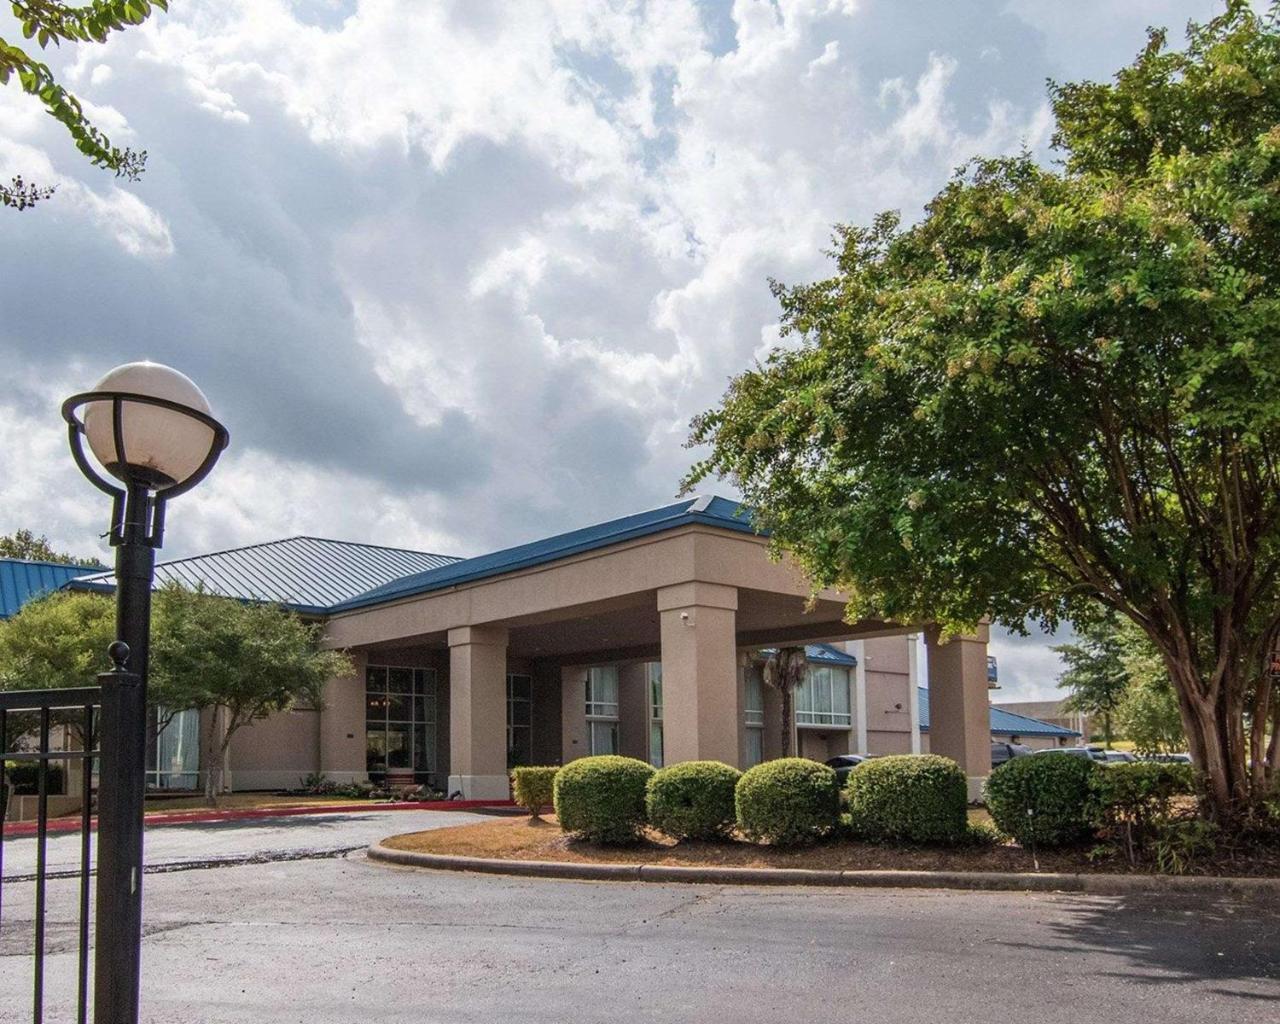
(457, 275)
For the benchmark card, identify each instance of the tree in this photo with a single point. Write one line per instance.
(1057, 395)
(244, 661)
(25, 544)
(784, 670)
(47, 21)
(1095, 673)
(1149, 717)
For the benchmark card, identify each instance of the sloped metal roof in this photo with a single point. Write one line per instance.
(707, 510)
(22, 581)
(1003, 723)
(308, 574)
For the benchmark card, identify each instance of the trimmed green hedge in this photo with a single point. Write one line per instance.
(25, 776)
(912, 798)
(788, 801)
(693, 800)
(1042, 798)
(1137, 800)
(601, 799)
(533, 788)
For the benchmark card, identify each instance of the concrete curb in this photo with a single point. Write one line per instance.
(1100, 884)
(71, 823)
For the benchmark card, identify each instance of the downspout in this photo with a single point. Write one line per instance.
(913, 690)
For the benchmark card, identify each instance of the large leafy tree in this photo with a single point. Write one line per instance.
(244, 661)
(48, 22)
(1057, 395)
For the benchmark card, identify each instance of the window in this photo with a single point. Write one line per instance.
(753, 715)
(653, 672)
(400, 721)
(519, 720)
(602, 709)
(823, 697)
(173, 761)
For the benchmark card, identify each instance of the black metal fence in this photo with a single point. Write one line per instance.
(28, 721)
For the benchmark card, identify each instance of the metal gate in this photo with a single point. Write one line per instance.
(29, 720)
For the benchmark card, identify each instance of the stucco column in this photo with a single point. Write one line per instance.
(858, 649)
(478, 712)
(342, 733)
(959, 712)
(701, 709)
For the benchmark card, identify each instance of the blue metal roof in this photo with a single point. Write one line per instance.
(706, 510)
(22, 581)
(1003, 723)
(307, 574)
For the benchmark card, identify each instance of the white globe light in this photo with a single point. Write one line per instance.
(162, 447)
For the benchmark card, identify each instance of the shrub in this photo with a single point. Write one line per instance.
(913, 798)
(693, 800)
(788, 801)
(1042, 798)
(25, 776)
(601, 799)
(533, 788)
(1135, 800)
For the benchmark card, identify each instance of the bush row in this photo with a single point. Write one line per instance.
(1057, 799)
(610, 799)
(1045, 800)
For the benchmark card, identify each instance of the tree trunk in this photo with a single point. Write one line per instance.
(786, 723)
(1206, 719)
(1106, 729)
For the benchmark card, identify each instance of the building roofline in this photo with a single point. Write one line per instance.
(690, 511)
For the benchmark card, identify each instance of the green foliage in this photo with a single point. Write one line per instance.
(1180, 845)
(25, 544)
(787, 802)
(57, 641)
(25, 777)
(47, 21)
(534, 787)
(1136, 800)
(1058, 394)
(1095, 672)
(1149, 717)
(1042, 799)
(913, 798)
(601, 799)
(693, 800)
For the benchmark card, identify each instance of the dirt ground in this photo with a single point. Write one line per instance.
(522, 839)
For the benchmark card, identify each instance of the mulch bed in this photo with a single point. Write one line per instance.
(522, 839)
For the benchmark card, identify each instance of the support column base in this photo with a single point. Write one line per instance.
(480, 787)
(976, 785)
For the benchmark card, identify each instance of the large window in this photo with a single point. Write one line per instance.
(400, 722)
(753, 715)
(519, 720)
(602, 709)
(653, 673)
(173, 761)
(823, 697)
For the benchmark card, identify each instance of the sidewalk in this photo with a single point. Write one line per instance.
(159, 818)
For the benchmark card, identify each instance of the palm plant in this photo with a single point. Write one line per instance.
(784, 670)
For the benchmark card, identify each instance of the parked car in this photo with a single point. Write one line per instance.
(1002, 752)
(844, 764)
(1085, 752)
(1118, 756)
(1170, 758)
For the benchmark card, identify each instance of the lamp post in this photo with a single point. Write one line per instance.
(150, 428)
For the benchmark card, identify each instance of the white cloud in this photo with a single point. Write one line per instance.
(459, 273)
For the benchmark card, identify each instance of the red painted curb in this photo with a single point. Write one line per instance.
(72, 823)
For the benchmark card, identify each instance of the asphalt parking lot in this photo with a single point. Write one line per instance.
(335, 938)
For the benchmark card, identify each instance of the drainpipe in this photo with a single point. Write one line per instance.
(859, 698)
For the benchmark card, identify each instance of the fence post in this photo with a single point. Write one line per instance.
(117, 953)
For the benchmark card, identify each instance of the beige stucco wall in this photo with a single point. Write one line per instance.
(276, 752)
